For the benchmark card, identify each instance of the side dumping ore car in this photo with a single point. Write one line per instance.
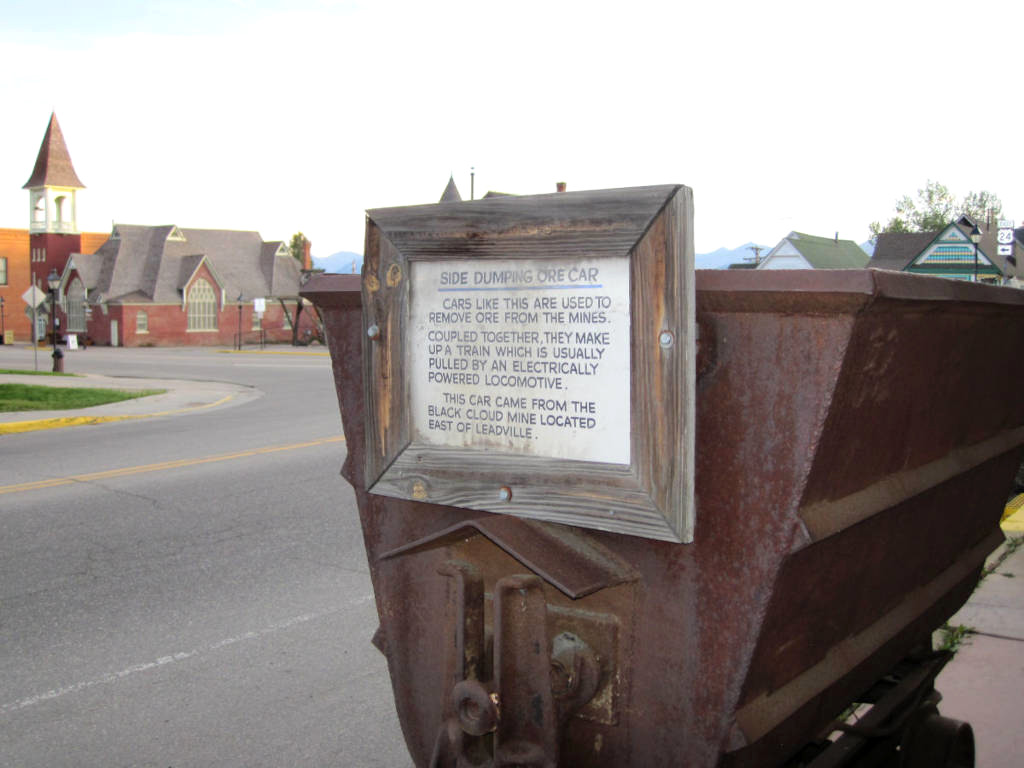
(853, 438)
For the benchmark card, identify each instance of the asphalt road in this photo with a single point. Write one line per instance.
(216, 613)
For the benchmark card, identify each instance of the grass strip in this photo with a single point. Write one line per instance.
(20, 372)
(29, 397)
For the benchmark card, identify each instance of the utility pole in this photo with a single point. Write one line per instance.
(756, 258)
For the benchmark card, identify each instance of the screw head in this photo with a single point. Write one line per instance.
(505, 493)
(666, 339)
(373, 332)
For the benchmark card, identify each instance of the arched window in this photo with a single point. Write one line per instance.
(141, 322)
(202, 307)
(59, 208)
(76, 306)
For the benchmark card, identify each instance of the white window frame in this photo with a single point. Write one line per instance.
(74, 307)
(202, 307)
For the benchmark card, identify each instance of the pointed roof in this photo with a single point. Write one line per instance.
(53, 164)
(895, 250)
(829, 252)
(147, 263)
(818, 252)
(451, 192)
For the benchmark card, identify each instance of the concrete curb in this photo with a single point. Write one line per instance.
(178, 397)
(14, 427)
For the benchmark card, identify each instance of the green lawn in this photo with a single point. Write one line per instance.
(29, 397)
(34, 373)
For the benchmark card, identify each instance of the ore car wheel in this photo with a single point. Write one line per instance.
(940, 742)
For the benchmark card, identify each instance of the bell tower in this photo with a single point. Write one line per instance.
(53, 209)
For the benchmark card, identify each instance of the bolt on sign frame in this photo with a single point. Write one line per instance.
(636, 477)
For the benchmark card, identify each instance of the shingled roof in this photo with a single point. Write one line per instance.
(155, 264)
(818, 252)
(828, 252)
(53, 163)
(895, 250)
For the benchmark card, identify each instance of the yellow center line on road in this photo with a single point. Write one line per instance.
(160, 466)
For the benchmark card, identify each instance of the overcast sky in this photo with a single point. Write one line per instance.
(287, 115)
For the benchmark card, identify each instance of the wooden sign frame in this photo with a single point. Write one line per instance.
(652, 496)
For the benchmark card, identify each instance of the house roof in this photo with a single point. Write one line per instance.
(895, 250)
(53, 163)
(156, 263)
(828, 252)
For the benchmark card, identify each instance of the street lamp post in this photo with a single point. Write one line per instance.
(975, 238)
(53, 281)
(239, 321)
(3, 324)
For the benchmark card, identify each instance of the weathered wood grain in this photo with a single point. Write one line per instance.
(595, 223)
(664, 369)
(385, 299)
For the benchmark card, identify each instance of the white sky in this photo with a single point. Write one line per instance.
(287, 115)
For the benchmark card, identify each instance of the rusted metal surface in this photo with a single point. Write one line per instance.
(856, 438)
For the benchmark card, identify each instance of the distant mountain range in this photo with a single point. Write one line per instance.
(744, 254)
(340, 263)
(723, 257)
(348, 262)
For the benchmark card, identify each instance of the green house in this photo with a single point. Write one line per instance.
(949, 252)
(798, 250)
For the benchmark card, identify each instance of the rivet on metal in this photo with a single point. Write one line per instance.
(666, 339)
(505, 493)
(373, 332)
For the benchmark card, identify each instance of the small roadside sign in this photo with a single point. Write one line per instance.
(33, 296)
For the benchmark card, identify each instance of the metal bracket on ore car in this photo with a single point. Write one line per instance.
(515, 718)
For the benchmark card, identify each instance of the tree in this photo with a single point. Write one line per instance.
(298, 246)
(935, 207)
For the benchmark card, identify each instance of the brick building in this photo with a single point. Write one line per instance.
(168, 285)
(144, 285)
(27, 255)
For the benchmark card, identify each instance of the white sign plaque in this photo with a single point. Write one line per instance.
(522, 356)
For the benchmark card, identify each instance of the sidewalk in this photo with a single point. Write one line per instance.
(984, 682)
(181, 396)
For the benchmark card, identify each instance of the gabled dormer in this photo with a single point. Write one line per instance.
(53, 186)
(953, 254)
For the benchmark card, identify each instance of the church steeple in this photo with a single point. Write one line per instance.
(53, 185)
(451, 192)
